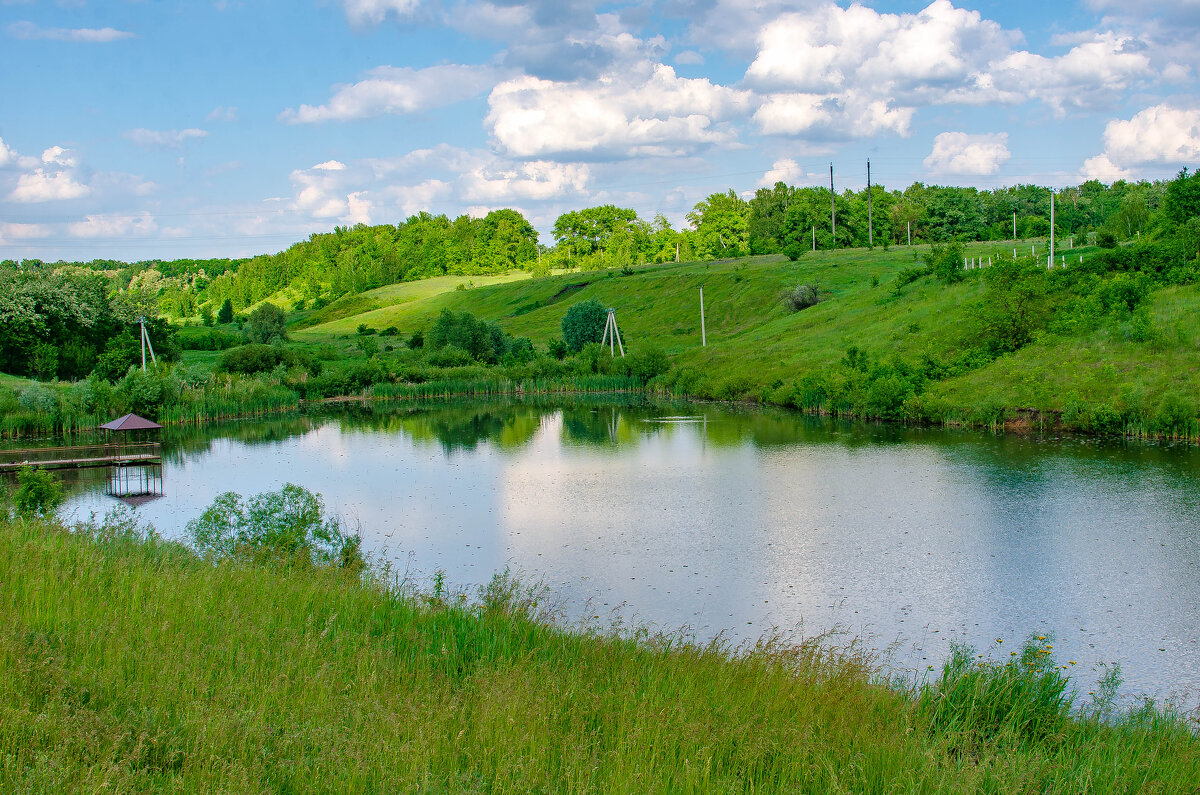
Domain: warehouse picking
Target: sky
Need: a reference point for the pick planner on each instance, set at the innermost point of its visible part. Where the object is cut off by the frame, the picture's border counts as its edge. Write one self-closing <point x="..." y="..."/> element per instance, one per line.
<point x="144" y="129"/>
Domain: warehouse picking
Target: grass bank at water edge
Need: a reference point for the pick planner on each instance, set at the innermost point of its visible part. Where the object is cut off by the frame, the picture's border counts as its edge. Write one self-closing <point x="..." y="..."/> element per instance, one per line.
<point x="133" y="665"/>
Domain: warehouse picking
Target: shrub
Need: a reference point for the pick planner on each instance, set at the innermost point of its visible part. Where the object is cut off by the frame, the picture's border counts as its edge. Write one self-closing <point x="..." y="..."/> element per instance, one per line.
<point x="390" y="331"/>
<point x="946" y="262"/>
<point x="364" y="329"/>
<point x="288" y="526"/>
<point x="266" y="324"/>
<point x="417" y="340"/>
<point x="485" y="342"/>
<point x="802" y="296"/>
<point x="556" y="347"/>
<point x="648" y="363"/>
<point x="450" y="356"/>
<point x="38" y="493"/>
<point x="583" y="323"/>
<point x="1106" y="239"/>
<point x="794" y="250"/>
<point x="251" y="359"/>
<point x="225" y="313"/>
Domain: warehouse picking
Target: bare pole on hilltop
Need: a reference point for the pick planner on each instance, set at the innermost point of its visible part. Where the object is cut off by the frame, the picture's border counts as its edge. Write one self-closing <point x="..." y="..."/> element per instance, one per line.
<point x="1052" y="226"/>
<point x="832" y="208"/>
<point x="870" y="230"/>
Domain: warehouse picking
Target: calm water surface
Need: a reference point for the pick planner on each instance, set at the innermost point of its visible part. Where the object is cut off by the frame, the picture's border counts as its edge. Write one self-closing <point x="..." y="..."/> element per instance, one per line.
<point x="738" y="522"/>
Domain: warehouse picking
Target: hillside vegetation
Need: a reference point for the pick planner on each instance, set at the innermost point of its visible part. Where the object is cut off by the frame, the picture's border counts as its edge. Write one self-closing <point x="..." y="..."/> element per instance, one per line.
<point x="1117" y="368"/>
<point x="964" y="327"/>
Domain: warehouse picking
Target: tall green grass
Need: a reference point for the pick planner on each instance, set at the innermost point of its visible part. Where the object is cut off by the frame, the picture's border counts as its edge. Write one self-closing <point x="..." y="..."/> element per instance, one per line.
<point x="503" y="387"/>
<point x="131" y="665"/>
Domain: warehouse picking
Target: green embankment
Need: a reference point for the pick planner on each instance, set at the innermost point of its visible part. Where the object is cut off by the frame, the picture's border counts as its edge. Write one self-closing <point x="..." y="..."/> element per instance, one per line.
<point x="134" y="666"/>
<point x="755" y="344"/>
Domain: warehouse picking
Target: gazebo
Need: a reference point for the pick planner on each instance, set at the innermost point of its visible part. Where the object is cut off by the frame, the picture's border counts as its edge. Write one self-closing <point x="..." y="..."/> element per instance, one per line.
<point x="136" y="471"/>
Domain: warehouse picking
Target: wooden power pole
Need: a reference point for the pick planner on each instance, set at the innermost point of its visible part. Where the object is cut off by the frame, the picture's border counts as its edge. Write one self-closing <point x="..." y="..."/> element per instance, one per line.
<point x="832" y="208"/>
<point x="870" y="230"/>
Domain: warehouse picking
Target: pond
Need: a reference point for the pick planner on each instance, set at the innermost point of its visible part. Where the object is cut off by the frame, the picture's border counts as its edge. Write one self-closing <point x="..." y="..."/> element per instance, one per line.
<point x="738" y="522"/>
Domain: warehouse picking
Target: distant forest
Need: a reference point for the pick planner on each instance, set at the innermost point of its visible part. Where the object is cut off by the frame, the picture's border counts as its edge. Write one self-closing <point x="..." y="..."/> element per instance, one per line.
<point x="65" y="319"/>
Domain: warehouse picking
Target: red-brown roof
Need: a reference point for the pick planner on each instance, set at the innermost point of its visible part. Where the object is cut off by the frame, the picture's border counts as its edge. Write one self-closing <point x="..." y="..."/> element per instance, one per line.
<point x="131" y="422"/>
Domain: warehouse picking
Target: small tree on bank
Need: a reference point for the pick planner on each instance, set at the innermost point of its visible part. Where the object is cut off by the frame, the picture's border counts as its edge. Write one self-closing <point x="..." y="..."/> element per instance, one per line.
<point x="266" y="324"/>
<point x="584" y="323"/>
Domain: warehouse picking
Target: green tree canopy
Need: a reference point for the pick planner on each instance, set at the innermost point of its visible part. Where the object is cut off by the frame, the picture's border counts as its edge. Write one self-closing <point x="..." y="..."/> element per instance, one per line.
<point x="583" y="323"/>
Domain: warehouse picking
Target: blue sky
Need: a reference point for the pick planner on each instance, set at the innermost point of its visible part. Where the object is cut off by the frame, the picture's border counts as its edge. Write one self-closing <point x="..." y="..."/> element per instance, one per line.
<point x="165" y="129"/>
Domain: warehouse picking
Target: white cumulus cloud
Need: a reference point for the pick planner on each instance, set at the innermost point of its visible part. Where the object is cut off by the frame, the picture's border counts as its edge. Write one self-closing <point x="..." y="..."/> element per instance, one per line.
<point x="960" y="153"/>
<point x="645" y="109"/>
<point x="785" y="170"/>
<point x="539" y="179"/>
<point x="389" y="89"/>
<point x="56" y="179"/>
<point x="1159" y="134"/>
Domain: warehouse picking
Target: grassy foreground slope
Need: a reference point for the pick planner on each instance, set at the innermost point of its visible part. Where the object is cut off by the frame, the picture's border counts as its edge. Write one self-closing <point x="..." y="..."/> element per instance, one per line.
<point x="755" y="345"/>
<point x="133" y="665"/>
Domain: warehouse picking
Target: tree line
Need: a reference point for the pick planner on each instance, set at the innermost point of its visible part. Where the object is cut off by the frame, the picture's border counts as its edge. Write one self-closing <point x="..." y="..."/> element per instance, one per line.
<point x="782" y="218"/>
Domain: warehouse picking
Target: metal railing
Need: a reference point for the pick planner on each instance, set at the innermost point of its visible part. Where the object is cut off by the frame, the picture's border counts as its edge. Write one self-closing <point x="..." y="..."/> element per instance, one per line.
<point x="81" y="455"/>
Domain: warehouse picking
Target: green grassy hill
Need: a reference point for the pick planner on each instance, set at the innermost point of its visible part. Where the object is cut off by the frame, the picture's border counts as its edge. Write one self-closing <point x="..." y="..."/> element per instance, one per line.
<point x="756" y="346"/>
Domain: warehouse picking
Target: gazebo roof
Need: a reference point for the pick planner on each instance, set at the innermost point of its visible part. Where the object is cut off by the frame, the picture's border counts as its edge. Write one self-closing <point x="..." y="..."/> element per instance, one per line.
<point x="131" y="422"/>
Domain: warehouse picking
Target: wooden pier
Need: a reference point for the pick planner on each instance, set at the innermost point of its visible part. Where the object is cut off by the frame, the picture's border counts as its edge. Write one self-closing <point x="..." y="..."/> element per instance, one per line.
<point x="82" y="456"/>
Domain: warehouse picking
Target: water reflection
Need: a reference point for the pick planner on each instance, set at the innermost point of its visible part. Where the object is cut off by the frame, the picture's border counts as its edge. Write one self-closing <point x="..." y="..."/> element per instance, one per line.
<point x="734" y="521"/>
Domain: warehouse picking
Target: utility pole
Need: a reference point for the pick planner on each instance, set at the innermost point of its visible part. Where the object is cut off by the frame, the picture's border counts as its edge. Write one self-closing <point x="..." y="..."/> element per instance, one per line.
<point x="146" y="343"/>
<point x="814" y="238"/>
<point x="612" y="335"/>
<point x="1014" y="224"/>
<point x="870" y="230"/>
<point x="832" y="207"/>
<point x="703" y="335"/>
<point x="910" y="233"/>
<point x="1051" y="227"/>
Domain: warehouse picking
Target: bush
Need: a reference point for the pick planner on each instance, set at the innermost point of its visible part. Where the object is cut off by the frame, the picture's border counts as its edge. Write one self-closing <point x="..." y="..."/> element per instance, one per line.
<point x="390" y="331"/>
<point x="648" y="364"/>
<point x="286" y="526"/>
<point x="450" y="356"/>
<point x="802" y="296"/>
<point x="1106" y="239"/>
<point x="38" y="494"/>
<point x="251" y="359"/>
<point x="584" y="322"/>
<point x="214" y="340"/>
<point x="266" y="324"/>
<point x="417" y="340"/>
<point x="946" y="262"/>
<point x="364" y="329"/>
<point x="484" y="341"/>
<point x="557" y="348"/>
<point x="794" y="250"/>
